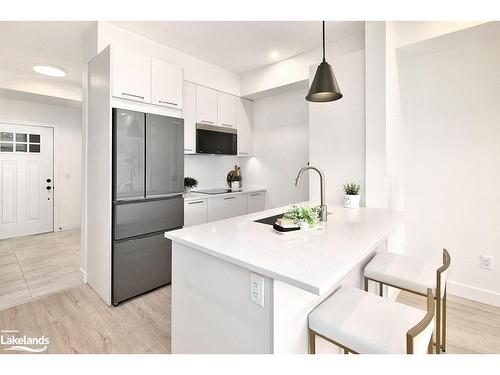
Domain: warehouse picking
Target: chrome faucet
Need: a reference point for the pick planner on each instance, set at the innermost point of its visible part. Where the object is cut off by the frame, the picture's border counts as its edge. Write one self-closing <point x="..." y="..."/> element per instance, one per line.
<point x="322" y="207"/>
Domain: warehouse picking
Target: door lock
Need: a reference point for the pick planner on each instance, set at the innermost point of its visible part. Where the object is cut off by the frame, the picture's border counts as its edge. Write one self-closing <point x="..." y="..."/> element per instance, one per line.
<point x="49" y="180"/>
<point x="49" y="187"/>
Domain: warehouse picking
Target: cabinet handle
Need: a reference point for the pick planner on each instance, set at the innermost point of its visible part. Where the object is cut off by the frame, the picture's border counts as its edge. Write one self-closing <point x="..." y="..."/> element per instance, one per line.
<point x="132" y="95"/>
<point x="255" y="195"/>
<point x="206" y="121"/>
<point x="229" y="125"/>
<point x="195" y="202"/>
<point x="244" y="153"/>
<point x="229" y="198"/>
<point x="188" y="149"/>
<point x="164" y="102"/>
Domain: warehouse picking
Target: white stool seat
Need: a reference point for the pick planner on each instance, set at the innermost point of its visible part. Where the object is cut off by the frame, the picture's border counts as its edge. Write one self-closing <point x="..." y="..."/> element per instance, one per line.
<point x="404" y="272"/>
<point x="365" y="322"/>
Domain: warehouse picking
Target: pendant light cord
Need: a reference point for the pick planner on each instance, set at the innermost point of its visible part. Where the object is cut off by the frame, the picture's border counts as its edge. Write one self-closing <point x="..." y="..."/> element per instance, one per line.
<point x="324" y="41"/>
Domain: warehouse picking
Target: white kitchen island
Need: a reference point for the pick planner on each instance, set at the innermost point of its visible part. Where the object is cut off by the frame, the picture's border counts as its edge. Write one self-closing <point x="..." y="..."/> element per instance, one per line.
<point x="212" y="265"/>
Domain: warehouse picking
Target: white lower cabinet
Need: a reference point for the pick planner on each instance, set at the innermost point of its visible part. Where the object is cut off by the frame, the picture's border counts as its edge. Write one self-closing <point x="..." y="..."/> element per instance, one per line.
<point x="201" y="211"/>
<point x="195" y="212"/>
<point x="255" y="202"/>
<point x="226" y="207"/>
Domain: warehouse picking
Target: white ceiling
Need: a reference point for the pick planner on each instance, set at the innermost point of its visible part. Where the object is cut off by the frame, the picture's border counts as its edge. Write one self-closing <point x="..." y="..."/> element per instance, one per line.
<point x="236" y="46"/>
<point x="24" y="44"/>
<point x="241" y="46"/>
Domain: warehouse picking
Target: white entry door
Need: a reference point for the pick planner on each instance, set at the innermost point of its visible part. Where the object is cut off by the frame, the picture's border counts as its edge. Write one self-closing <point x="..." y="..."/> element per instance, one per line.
<point x="26" y="180"/>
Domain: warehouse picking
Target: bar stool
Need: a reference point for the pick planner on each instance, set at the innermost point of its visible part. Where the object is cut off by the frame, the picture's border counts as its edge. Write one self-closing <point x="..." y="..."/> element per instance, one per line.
<point x="415" y="276"/>
<point x="362" y="322"/>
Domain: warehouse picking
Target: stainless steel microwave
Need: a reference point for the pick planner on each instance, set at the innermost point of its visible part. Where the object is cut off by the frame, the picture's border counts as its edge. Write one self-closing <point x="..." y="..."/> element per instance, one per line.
<point x="219" y="140"/>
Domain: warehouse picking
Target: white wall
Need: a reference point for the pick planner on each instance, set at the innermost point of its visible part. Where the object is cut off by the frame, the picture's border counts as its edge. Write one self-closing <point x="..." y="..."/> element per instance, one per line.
<point x="67" y="158"/>
<point x="296" y="68"/>
<point x="451" y="134"/>
<point x="337" y="131"/>
<point x="280" y="148"/>
<point x="210" y="170"/>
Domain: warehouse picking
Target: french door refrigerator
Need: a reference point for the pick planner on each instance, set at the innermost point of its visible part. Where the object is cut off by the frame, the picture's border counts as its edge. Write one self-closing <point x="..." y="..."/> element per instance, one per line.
<point x="148" y="181"/>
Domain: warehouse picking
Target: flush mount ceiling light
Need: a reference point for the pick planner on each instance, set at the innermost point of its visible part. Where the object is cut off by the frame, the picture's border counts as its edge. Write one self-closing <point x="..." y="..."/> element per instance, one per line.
<point x="49" y="70"/>
<point x="274" y="54"/>
<point x="324" y="87"/>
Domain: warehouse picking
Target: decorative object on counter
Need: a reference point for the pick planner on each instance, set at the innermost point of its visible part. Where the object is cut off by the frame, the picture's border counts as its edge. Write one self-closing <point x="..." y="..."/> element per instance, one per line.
<point x="305" y="217"/>
<point x="234" y="178"/>
<point x="351" y="197"/>
<point x="189" y="183"/>
<point x="283" y="225"/>
<point x="324" y="87"/>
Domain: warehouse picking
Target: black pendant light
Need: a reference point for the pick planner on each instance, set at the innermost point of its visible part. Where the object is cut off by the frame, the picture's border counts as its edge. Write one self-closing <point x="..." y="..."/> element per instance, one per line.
<point x="324" y="87"/>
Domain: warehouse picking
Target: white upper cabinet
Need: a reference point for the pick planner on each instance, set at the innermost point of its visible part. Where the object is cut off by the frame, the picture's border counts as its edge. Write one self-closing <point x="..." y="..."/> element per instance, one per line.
<point x="244" y="124"/>
<point x="226" y="113"/>
<point x="189" y="116"/>
<point x="131" y="75"/>
<point x="166" y="84"/>
<point x="206" y="105"/>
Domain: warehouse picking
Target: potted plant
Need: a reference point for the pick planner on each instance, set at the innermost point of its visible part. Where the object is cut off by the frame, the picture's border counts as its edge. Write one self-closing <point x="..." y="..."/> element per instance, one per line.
<point x="351" y="197"/>
<point x="189" y="183"/>
<point x="305" y="217"/>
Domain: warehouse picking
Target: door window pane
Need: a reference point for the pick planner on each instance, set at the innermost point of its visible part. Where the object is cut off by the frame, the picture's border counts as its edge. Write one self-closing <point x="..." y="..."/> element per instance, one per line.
<point x="21" y="137"/>
<point x="6" y="147"/>
<point x="21" y="147"/>
<point x="6" y="137"/>
<point x="34" y="148"/>
<point x="34" y="138"/>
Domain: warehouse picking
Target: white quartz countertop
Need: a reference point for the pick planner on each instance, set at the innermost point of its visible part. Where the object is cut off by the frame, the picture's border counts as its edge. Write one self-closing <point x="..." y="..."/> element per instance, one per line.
<point x="313" y="260"/>
<point x="196" y="196"/>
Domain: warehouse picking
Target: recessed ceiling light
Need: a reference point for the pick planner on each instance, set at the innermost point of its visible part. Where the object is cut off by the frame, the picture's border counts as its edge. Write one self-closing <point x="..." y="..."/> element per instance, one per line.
<point x="49" y="70"/>
<point x="274" y="54"/>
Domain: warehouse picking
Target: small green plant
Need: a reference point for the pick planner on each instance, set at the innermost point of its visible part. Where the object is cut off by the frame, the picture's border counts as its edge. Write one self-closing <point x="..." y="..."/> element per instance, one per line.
<point x="351" y="188"/>
<point x="310" y="215"/>
<point x="190" y="182"/>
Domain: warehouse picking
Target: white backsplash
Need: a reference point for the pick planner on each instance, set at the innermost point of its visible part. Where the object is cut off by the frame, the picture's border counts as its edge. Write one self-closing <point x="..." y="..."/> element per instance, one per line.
<point x="209" y="170"/>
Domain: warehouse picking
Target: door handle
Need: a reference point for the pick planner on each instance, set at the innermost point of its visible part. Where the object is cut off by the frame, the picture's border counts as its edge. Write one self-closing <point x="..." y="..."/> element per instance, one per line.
<point x="195" y="202"/>
<point x="48" y="180"/>
<point x="229" y="198"/>
<point x="169" y="103"/>
<point x="133" y="96"/>
<point x="49" y="187"/>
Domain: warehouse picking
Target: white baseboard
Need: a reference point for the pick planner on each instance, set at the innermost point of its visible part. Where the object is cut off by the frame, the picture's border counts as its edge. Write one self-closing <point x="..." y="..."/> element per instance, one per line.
<point x="69" y="226"/>
<point x="83" y="275"/>
<point x="473" y="293"/>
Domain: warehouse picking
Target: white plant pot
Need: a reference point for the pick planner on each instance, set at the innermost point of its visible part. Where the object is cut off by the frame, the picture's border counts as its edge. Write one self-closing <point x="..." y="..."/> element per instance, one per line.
<point x="351" y="201"/>
<point x="188" y="189"/>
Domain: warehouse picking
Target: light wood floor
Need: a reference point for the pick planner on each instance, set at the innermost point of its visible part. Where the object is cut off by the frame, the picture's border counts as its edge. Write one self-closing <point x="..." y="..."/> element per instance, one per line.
<point x="77" y="321"/>
<point x="472" y="327"/>
<point x="37" y="265"/>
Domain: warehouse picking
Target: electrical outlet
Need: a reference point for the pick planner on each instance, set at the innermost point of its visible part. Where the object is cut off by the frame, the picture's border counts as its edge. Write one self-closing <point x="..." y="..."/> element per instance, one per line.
<point x="486" y="262"/>
<point x="257" y="289"/>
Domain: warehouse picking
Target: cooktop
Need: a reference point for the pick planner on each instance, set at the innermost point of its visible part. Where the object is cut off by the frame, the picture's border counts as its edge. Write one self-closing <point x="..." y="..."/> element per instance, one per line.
<point x="216" y="191"/>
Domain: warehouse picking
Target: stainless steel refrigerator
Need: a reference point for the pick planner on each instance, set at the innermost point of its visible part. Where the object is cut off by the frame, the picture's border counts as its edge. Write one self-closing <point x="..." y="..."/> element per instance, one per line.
<point x="148" y="181"/>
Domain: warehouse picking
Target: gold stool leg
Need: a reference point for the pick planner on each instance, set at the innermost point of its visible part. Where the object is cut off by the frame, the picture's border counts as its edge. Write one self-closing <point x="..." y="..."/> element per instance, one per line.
<point x="346" y="351"/>
<point x="381" y="289"/>
<point x="366" y="284"/>
<point x="312" y="342"/>
<point x="438" y="324"/>
<point x="444" y="322"/>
